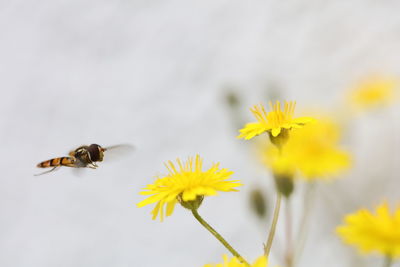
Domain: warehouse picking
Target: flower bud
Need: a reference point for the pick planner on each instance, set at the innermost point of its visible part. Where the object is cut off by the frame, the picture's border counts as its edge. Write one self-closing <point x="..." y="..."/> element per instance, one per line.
<point x="258" y="203"/>
<point x="190" y="204"/>
<point x="281" y="139"/>
<point x="284" y="184"/>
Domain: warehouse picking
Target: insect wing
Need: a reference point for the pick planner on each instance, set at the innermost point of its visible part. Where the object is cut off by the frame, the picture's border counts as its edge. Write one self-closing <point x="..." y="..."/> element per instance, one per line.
<point x="117" y="151"/>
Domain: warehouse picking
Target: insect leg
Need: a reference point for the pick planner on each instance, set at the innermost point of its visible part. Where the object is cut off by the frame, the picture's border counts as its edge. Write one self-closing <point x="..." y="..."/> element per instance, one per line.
<point x="53" y="169"/>
<point x="91" y="165"/>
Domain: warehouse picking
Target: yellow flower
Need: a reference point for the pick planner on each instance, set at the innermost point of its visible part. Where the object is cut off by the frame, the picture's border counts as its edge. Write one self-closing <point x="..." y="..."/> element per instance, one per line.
<point x="281" y="163"/>
<point x="234" y="262"/>
<point x="312" y="150"/>
<point x="369" y="232"/>
<point x="274" y="121"/>
<point x="373" y="92"/>
<point x="187" y="183"/>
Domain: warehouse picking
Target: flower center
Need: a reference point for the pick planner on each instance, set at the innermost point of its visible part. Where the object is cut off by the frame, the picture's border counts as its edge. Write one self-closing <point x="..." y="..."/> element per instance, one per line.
<point x="276" y="117"/>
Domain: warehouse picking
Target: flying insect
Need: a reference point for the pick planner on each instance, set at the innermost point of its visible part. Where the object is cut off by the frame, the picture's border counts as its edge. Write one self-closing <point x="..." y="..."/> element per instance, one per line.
<point x="82" y="157"/>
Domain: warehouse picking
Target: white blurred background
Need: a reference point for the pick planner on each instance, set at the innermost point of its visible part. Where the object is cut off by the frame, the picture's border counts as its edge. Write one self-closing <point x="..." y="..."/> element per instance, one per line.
<point x="155" y="74"/>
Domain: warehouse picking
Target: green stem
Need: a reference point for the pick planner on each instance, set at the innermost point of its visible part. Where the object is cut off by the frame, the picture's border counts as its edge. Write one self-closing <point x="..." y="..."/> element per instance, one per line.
<point x="288" y="219"/>
<point x="304" y="222"/>
<point x="268" y="245"/>
<point x="218" y="236"/>
<point x="388" y="261"/>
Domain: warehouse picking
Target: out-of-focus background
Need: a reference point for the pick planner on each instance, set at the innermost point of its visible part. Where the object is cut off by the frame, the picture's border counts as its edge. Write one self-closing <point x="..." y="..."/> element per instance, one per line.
<point x="157" y="75"/>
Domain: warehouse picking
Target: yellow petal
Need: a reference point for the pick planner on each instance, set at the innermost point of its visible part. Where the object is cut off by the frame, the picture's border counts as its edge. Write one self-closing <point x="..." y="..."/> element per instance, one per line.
<point x="150" y="200"/>
<point x="170" y="207"/>
<point x="252" y="129"/>
<point x="261" y="262"/>
<point x="156" y="210"/>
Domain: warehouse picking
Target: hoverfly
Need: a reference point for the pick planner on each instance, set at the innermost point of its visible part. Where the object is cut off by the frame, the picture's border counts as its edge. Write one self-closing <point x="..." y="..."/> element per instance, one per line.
<point x="82" y="157"/>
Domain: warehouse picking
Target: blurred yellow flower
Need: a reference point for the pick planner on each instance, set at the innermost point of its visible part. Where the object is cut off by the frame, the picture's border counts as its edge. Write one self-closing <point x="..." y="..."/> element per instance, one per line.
<point x="281" y="162"/>
<point x="234" y="262"/>
<point x="369" y="232"/>
<point x="274" y="121"/>
<point x="373" y="92"/>
<point x="312" y="150"/>
<point x="186" y="183"/>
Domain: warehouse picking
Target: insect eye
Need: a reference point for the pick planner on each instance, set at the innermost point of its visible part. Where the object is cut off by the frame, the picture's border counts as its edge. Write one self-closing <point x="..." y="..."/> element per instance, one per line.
<point x="94" y="152"/>
<point x="94" y="146"/>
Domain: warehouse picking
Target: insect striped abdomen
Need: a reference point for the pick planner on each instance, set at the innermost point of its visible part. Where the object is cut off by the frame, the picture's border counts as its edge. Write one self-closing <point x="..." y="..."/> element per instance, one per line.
<point x="62" y="161"/>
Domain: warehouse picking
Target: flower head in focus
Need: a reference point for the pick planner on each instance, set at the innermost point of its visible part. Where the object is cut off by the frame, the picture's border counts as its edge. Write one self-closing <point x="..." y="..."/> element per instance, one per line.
<point x="379" y="232"/>
<point x="373" y="92"/>
<point x="276" y="122"/>
<point x="188" y="184"/>
<point x="313" y="151"/>
<point x="234" y="262"/>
